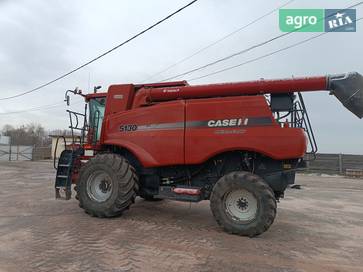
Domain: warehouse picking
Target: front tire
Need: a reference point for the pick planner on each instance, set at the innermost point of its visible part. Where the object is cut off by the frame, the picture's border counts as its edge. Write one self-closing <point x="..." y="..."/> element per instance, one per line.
<point x="107" y="185"/>
<point x="242" y="203"/>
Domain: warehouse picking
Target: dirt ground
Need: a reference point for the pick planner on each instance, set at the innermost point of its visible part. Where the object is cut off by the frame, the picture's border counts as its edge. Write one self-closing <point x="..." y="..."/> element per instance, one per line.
<point x="318" y="228"/>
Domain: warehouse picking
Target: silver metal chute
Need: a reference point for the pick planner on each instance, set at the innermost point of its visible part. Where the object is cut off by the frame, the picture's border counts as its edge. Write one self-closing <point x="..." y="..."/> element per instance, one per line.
<point x="348" y="89"/>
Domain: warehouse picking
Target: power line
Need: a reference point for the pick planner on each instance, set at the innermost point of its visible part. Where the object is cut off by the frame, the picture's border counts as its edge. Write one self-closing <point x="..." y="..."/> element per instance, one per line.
<point x="264" y="56"/>
<point x="51" y="106"/>
<point x="39" y="108"/>
<point x="226" y="58"/>
<point x="258" y="58"/>
<point x="103" y="54"/>
<point x="247" y="49"/>
<point x="219" y="40"/>
<point x="54" y="105"/>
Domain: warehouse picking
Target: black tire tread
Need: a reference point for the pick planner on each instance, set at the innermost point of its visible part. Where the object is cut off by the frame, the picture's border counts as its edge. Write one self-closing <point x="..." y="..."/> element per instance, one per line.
<point x="127" y="184"/>
<point x="262" y="223"/>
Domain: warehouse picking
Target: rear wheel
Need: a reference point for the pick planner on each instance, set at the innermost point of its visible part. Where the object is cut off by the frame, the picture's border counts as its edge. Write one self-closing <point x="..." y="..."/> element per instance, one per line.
<point x="242" y="203"/>
<point x="107" y="185"/>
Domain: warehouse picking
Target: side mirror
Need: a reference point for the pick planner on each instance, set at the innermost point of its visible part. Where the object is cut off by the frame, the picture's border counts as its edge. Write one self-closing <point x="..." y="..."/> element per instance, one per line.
<point x="67" y="100"/>
<point x="75" y="91"/>
<point x="96" y="88"/>
<point x="66" y="97"/>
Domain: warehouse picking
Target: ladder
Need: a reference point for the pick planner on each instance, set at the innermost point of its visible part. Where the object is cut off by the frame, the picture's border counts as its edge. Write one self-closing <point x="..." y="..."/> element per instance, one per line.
<point x="64" y="175"/>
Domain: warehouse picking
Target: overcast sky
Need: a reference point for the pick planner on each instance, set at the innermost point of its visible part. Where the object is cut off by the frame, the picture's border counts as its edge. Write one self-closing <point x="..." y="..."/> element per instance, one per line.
<point x="42" y="39"/>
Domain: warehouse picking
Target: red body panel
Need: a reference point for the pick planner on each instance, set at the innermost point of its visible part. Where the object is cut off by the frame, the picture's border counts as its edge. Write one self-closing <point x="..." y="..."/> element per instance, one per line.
<point x="119" y="98"/>
<point x="198" y="122"/>
<point x="151" y="144"/>
<point x="267" y="138"/>
<point x="185" y="131"/>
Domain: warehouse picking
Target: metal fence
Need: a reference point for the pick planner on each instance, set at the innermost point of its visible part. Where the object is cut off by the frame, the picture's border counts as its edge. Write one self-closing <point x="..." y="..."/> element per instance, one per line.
<point x="24" y="152"/>
<point x="42" y="153"/>
<point x="336" y="163"/>
<point x="16" y="152"/>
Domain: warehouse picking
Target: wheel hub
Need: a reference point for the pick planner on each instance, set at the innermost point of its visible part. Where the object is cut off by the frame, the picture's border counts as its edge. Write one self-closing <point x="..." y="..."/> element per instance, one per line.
<point x="241" y="205"/>
<point x="104" y="186"/>
<point x="99" y="186"/>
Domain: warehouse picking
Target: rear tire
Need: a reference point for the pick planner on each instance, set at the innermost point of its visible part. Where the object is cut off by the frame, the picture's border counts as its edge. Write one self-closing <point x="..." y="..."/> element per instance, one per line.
<point x="107" y="185"/>
<point x="242" y="203"/>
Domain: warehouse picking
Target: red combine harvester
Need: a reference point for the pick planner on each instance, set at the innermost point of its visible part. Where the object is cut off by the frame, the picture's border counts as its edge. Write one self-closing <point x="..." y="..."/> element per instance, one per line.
<point x="236" y="144"/>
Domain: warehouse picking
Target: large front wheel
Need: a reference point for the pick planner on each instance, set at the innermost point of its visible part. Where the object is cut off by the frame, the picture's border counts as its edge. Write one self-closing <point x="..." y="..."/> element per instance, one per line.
<point x="242" y="203"/>
<point x="107" y="185"/>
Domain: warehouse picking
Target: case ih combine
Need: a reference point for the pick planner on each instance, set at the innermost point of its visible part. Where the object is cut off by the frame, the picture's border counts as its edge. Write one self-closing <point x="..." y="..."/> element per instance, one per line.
<point x="236" y="144"/>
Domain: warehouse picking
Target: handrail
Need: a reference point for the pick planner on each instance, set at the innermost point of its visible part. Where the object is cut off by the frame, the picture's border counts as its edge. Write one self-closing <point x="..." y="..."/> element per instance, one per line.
<point x="309" y="129"/>
<point x="83" y="133"/>
<point x="95" y="128"/>
<point x="75" y="116"/>
<point x="298" y="117"/>
<point x="55" y="150"/>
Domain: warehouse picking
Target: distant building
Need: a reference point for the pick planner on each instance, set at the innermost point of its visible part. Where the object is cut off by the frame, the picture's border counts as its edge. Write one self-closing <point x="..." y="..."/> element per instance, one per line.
<point x="61" y="146"/>
<point x="4" y="140"/>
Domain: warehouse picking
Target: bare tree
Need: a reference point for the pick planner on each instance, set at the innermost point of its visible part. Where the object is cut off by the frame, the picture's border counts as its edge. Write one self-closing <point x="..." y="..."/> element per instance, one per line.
<point x="31" y="134"/>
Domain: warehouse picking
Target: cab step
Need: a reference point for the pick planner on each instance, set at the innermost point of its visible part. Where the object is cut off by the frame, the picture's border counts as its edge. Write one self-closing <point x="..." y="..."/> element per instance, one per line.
<point x="64" y="165"/>
<point x="180" y="193"/>
<point x="61" y="176"/>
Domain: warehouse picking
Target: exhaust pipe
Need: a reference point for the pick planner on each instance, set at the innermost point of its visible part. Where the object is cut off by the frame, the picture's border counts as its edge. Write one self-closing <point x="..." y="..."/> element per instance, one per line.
<point x="348" y="89"/>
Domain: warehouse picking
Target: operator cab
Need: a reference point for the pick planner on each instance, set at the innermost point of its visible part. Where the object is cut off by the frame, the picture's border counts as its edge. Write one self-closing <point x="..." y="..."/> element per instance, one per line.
<point x="87" y="125"/>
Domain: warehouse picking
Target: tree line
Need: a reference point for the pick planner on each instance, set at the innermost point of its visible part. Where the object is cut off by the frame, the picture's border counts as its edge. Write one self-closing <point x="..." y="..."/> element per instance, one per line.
<point x="31" y="134"/>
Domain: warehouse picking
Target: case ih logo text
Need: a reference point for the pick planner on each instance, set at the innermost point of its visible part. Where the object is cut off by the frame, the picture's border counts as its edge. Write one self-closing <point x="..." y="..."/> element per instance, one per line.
<point x="228" y="122"/>
<point x="317" y="20"/>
